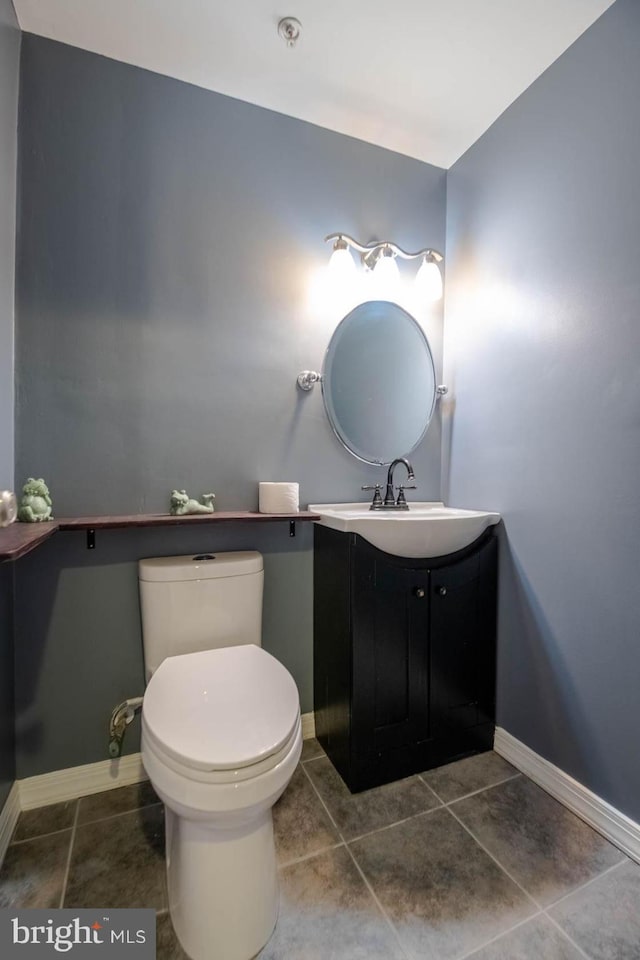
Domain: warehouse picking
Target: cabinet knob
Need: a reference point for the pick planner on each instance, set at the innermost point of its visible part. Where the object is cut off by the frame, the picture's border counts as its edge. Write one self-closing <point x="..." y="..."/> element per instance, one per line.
<point x="442" y="591"/>
<point x="419" y="592"/>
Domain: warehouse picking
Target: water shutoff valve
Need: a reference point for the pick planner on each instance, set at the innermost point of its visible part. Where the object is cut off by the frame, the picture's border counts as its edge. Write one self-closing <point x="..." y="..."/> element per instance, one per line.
<point x="121" y="717"/>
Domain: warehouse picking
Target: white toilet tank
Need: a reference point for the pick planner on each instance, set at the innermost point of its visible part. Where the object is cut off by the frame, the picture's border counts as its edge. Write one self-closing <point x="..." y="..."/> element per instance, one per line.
<point x="200" y="602"/>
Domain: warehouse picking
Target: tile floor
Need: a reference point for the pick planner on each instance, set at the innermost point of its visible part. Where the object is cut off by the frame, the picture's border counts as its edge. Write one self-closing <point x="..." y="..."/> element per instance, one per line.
<point x="470" y="860"/>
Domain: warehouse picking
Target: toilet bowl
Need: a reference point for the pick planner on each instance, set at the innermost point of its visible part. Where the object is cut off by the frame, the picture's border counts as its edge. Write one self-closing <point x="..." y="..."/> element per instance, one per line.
<point x="221" y="738"/>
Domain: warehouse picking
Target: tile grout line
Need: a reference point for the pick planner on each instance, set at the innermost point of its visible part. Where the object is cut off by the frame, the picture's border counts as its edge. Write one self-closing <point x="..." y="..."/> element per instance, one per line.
<point x="441" y="801"/>
<point x="474" y="793"/>
<point x="69" y="855"/>
<point x="41" y="836"/>
<point x="543" y="911"/>
<point x="357" y="866"/>
<point x="304" y="763"/>
<point x="443" y="806"/>
<point x="123" y="813"/>
<point x="435" y="792"/>
<point x="499" y="936"/>
<point x="567" y="937"/>
<point x="587" y="883"/>
<point x="440" y="805"/>
<point x="309" y="856"/>
<point x="429" y="788"/>
<point x="387" y="826"/>
<point x="87" y="823"/>
<point x="421" y="778"/>
<point x="324" y="806"/>
<point x="396" y="823"/>
<point x="384" y="913"/>
<point x="538" y="906"/>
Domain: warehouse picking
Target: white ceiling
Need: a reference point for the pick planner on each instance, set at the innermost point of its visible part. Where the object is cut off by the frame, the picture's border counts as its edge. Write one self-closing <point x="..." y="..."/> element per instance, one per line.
<point x="421" y="77"/>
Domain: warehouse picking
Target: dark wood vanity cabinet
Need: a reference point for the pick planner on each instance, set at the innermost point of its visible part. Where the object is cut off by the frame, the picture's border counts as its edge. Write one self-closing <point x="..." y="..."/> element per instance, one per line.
<point x="404" y="656"/>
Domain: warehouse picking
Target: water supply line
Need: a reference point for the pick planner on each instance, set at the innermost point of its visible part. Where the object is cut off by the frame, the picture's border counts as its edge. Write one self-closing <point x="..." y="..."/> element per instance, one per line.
<point x="121" y="717"/>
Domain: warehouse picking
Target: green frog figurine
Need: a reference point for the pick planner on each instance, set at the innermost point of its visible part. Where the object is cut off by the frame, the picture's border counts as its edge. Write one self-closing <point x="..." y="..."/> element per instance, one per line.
<point x="35" y="503"/>
<point x="182" y="504"/>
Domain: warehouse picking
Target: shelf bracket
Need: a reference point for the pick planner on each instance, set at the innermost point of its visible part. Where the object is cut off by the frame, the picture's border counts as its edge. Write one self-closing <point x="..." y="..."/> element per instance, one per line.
<point x="91" y="539"/>
<point x="292" y="528"/>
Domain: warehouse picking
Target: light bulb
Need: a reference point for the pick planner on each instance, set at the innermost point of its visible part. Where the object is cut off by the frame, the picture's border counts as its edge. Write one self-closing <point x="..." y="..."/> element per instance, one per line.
<point x="341" y="266"/>
<point x="429" y="281"/>
<point x="386" y="277"/>
<point x="341" y="279"/>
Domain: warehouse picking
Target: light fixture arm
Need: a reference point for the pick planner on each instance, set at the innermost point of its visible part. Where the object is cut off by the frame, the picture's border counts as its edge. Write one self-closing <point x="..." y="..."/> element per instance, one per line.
<point x="371" y="251"/>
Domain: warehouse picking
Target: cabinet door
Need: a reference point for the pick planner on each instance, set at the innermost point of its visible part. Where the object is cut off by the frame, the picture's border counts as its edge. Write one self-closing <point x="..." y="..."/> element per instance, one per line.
<point x="463" y="639"/>
<point x="390" y="678"/>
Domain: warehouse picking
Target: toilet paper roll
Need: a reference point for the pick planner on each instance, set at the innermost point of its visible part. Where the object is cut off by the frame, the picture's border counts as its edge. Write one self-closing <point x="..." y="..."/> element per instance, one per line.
<point x="8" y="507"/>
<point x="278" y="497"/>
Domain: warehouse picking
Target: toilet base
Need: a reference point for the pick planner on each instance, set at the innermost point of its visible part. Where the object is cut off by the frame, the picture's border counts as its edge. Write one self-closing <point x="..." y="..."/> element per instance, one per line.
<point x="223" y="885"/>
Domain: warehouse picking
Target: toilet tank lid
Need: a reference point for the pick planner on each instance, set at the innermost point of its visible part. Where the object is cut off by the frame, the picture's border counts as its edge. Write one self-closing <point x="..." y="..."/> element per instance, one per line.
<point x="200" y="566"/>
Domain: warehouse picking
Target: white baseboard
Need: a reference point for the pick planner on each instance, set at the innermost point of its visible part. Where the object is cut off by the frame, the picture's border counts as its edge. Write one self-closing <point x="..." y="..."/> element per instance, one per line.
<point x="308" y="725"/>
<point x="8" y="819"/>
<point x="97" y="777"/>
<point x="77" y="781"/>
<point x="611" y="823"/>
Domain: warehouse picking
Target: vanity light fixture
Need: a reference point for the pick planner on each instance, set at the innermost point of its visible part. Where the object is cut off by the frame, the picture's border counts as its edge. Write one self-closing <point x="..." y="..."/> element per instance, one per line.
<point x="381" y="256"/>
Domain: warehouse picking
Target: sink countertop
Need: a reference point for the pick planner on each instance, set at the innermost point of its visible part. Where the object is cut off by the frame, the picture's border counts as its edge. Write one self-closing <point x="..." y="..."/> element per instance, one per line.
<point x="427" y="529"/>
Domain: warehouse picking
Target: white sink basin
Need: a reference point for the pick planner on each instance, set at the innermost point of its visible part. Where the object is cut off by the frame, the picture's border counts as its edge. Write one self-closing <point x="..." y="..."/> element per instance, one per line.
<point x="424" y="530"/>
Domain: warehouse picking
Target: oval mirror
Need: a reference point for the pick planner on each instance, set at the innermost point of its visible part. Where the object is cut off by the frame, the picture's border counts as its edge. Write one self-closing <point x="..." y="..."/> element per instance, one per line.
<point x="379" y="382"/>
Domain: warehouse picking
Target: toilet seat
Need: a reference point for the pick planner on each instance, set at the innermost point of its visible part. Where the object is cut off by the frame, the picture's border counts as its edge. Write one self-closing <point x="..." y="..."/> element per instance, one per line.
<point x="230" y="794"/>
<point x="236" y="776"/>
<point x="228" y="712"/>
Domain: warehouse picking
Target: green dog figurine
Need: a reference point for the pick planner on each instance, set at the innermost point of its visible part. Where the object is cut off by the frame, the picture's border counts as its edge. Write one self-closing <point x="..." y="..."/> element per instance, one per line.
<point x="35" y="503"/>
<point x="182" y="504"/>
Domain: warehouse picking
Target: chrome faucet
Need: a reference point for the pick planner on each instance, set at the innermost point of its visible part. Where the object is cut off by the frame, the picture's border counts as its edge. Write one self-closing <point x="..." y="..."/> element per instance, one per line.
<point x="390" y="502"/>
<point x="400" y="503"/>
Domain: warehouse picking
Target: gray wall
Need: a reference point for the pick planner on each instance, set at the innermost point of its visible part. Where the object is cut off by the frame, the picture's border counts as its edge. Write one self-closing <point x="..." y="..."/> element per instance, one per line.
<point x="543" y="352"/>
<point x="79" y="652"/>
<point x="9" y="58"/>
<point x="168" y="237"/>
<point x="7" y="701"/>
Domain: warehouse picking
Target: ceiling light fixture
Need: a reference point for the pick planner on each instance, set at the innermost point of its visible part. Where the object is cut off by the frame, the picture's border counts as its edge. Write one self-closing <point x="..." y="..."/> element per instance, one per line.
<point x="289" y="28"/>
<point x="381" y="256"/>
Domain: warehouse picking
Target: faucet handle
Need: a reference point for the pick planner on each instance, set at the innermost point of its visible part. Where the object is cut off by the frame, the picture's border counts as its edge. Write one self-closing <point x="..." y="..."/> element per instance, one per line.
<point x="376" y="503"/>
<point x="401" y="501"/>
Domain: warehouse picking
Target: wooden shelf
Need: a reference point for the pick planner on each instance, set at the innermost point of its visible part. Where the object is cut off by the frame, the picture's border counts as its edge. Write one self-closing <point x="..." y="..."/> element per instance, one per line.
<point x="21" y="538"/>
<point x="161" y="519"/>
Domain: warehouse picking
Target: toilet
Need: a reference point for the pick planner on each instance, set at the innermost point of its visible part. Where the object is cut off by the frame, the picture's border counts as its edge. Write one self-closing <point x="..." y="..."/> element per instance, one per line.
<point x="221" y="738"/>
